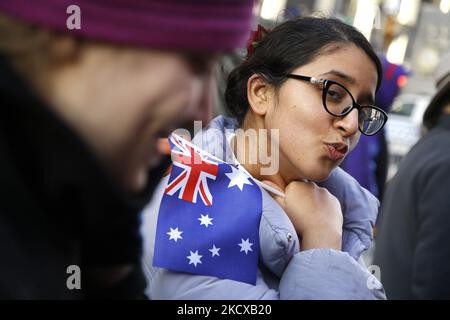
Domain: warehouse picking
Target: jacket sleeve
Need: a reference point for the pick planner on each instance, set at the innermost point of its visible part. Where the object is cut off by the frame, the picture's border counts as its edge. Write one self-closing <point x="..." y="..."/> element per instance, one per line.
<point x="328" y="274"/>
<point x="168" y="285"/>
<point x="430" y="267"/>
<point x="360" y="210"/>
<point x="312" y="274"/>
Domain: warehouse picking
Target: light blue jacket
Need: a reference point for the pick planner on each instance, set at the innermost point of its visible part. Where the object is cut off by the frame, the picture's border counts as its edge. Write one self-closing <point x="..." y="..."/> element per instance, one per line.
<point x="284" y="272"/>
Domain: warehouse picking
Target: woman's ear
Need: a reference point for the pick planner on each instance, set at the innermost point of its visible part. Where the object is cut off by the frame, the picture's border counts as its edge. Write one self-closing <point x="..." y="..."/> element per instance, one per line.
<point x="258" y="94"/>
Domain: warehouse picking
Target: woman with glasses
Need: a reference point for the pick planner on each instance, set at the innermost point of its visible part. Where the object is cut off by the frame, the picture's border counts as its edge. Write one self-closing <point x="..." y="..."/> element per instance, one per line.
<point x="310" y="83"/>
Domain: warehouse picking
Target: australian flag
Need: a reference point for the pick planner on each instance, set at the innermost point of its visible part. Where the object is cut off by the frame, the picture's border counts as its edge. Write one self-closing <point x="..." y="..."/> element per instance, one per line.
<point x="208" y="222"/>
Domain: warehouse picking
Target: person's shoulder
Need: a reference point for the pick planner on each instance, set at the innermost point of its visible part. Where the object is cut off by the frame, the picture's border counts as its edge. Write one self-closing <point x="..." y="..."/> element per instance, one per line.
<point x="437" y="147"/>
<point x="435" y="137"/>
<point x="431" y="151"/>
<point x="427" y="165"/>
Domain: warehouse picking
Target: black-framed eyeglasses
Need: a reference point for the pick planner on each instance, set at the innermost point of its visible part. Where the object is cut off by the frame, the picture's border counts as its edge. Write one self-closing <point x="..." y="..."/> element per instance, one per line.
<point x="339" y="102"/>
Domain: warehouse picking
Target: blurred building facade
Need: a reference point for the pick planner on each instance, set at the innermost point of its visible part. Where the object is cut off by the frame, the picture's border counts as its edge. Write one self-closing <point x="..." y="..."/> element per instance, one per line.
<point x="413" y="33"/>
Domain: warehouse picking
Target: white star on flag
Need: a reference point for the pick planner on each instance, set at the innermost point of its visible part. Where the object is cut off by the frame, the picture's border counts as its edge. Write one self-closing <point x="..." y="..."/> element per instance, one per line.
<point x="238" y="178"/>
<point x="214" y="251"/>
<point x="245" y="246"/>
<point x="206" y="220"/>
<point x="194" y="258"/>
<point x="175" y="234"/>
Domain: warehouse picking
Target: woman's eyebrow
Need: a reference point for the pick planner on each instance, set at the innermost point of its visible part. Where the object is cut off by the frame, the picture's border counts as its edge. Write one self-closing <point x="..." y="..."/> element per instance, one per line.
<point x="341" y="75"/>
<point x="368" y="99"/>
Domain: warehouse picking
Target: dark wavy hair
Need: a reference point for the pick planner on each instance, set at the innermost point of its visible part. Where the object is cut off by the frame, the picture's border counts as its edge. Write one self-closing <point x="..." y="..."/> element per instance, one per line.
<point x="290" y="45"/>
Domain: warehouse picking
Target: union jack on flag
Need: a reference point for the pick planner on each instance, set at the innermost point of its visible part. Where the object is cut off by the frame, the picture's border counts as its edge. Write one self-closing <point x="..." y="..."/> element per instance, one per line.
<point x="196" y="167"/>
<point x="217" y="236"/>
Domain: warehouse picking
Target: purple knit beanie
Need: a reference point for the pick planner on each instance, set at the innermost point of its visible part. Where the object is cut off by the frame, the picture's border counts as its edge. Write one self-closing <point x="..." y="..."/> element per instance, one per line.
<point x="196" y="25"/>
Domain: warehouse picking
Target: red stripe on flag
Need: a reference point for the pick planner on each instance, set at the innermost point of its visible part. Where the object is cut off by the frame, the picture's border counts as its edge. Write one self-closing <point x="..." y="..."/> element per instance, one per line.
<point x="205" y="198"/>
<point x="174" y="183"/>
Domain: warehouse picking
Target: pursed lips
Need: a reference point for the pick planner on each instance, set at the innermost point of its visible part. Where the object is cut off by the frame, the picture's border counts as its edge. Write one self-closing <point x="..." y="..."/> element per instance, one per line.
<point x="336" y="151"/>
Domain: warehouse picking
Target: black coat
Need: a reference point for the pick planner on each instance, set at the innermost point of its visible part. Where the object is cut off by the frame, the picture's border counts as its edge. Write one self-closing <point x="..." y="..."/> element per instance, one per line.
<point x="413" y="246"/>
<point x="57" y="207"/>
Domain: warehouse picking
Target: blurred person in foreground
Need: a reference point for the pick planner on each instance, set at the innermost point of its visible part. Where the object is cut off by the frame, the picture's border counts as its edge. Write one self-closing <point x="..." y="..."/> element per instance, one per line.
<point x="413" y="247"/>
<point x="81" y="113"/>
